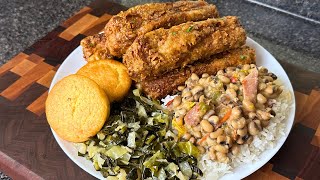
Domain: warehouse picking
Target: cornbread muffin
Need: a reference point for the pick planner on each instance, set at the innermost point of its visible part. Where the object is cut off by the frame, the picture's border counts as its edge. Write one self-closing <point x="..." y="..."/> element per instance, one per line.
<point x="112" y="76"/>
<point x="77" y="108"/>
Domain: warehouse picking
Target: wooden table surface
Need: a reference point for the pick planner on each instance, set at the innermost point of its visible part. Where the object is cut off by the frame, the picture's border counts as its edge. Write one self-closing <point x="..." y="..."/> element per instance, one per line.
<point x="28" y="149"/>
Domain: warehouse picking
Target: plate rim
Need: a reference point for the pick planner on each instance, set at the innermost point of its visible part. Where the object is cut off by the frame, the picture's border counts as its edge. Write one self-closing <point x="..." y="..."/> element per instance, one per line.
<point x="258" y="164"/>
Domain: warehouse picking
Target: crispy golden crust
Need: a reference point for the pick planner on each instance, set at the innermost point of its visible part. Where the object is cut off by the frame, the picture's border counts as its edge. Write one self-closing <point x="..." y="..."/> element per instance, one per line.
<point x="122" y="29"/>
<point x="166" y="84"/>
<point x="93" y="47"/>
<point x="163" y="50"/>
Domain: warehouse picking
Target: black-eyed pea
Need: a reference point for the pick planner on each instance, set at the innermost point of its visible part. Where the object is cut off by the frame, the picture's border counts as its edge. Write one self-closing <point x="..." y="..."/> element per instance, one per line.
<point x="211" y="142"/>
<point x="267" y="79"/>
<point x="235" y="113"/>
<point x="189" y="99"/>
<point x="196" y="128"/>
<point x="235" y="149"/>
<point x="261" y="99"/>
<point x="194" y="77"/>
<point x="181" y="88"/>
<point x="233" y="86"/>
<point x="228" y="130"/>
<point x="206" y="126"/>
<point x="201" y="149"/>
<point x="241" y="122"/>
<point x="234" y="123"/>
<point x="186" y="94"/>
<point x="268" y="90"/>
<point x="264" y="115"/>
<point x="221" y="148"/>
<point x="248" y="105"/>
<point x="259" y="106"/>
<point x="212" y="154"/>
<point x="249" y="140"/>
<point x="262" y="86"/>
<point x="196" y="89"/>
<point x="242" y="132"/>
<point x="196" y="97"/>
<point x="205" y="75"/>
<point x="192" y="140"/>
<point x="224" y="79"/>
<point x="221" y="139"/>
<point x="213" y="119"/>
<point x="222" y="157"/>
<point x="208" y="114"/>
<point x="258" y="123"/>
<point x="229" y="141"/>
<point x="201" y="98"/>
<point x="216" y="133"/>
<point x="220" y="72"/>
<point x="263" y="70"/>
<point x="202" y="81"/>
<point x="240" y="141"/>
<point x="252" y="115"/>
<point x="181" y="112"/>
<point x="242" y="75"/>
<point x="265" y="123"/>
<point x="253" y="128"/>
<point x="246" y="67"/>
<point x="197" y="134"/>
<point x="176" y="101"/>
<point x="252" y="66"/>
<point x="186" y="136"/>
<point x="231" y="92"/>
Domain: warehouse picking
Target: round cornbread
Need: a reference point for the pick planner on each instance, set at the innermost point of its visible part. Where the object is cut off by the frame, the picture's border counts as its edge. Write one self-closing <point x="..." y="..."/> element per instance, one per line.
<point x="77" y="108"/>
<point x="112" y="76"/>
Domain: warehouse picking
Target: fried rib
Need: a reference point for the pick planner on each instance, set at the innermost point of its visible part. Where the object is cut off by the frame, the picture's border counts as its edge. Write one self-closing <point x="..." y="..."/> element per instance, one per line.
<point x="93" y="47"/>
<point x="163" y="50"/>
<point x="122" y="29"/>
<point x="167" y="83"/>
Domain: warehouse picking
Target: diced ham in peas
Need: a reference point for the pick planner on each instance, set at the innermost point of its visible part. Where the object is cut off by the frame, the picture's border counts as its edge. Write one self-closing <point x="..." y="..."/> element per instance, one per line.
<point x="250" y="86"/>
<point x="222" y="112"/>
<point x="193" y="117"/>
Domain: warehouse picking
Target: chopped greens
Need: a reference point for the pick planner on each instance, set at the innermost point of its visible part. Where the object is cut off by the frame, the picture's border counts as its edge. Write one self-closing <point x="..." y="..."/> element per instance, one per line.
<point x="189" y="28"/>
<point x="243" y="57"/>
<point x="137" y="143"/>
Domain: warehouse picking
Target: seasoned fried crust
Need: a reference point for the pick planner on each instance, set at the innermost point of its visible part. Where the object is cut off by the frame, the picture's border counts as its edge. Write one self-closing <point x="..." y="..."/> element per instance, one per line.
<point x="123" y="28"/>
<point x="161" y="86"/>
<point x="163" y="50"/>
<point x="94" y="47"/>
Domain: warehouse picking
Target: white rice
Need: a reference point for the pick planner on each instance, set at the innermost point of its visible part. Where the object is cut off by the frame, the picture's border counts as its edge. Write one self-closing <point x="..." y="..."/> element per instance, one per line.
<point x="267" y="139"/>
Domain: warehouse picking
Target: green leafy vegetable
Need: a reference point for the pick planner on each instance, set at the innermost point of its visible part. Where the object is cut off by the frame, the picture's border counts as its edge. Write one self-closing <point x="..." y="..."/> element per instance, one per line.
<point x="136" y="143"/>
<point x="116" y="152"/>
<point x="189" y="28"/>
<point x="243" y="57"/>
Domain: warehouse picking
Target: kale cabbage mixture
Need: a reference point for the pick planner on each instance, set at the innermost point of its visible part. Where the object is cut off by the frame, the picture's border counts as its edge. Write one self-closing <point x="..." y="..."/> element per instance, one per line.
<point x="137" y="142"/>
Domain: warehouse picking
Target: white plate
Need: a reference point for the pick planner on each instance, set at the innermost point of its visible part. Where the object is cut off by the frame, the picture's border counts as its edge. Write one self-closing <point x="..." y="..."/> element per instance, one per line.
<point x="75" y="61"/>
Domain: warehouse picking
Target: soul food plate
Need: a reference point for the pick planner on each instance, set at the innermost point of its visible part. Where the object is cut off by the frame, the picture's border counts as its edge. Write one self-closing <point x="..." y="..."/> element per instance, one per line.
<point x="263" y="58"/>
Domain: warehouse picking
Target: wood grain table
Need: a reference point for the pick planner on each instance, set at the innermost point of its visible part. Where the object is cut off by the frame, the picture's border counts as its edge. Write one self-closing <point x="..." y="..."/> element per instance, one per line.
<point x="28" y="149"/>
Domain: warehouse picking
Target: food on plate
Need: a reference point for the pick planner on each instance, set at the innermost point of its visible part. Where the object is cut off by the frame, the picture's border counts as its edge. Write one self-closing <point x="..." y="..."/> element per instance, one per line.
<point x="163" y="50"/>
<point x="77" y="108"/>
<point x="123" y="28"/>
<point x="165" y="84"/>
<point x="94" y="49"/>
<point x="110" y="75"/>
<point x="137" y="143"/>
<point x="222" y="112"/>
